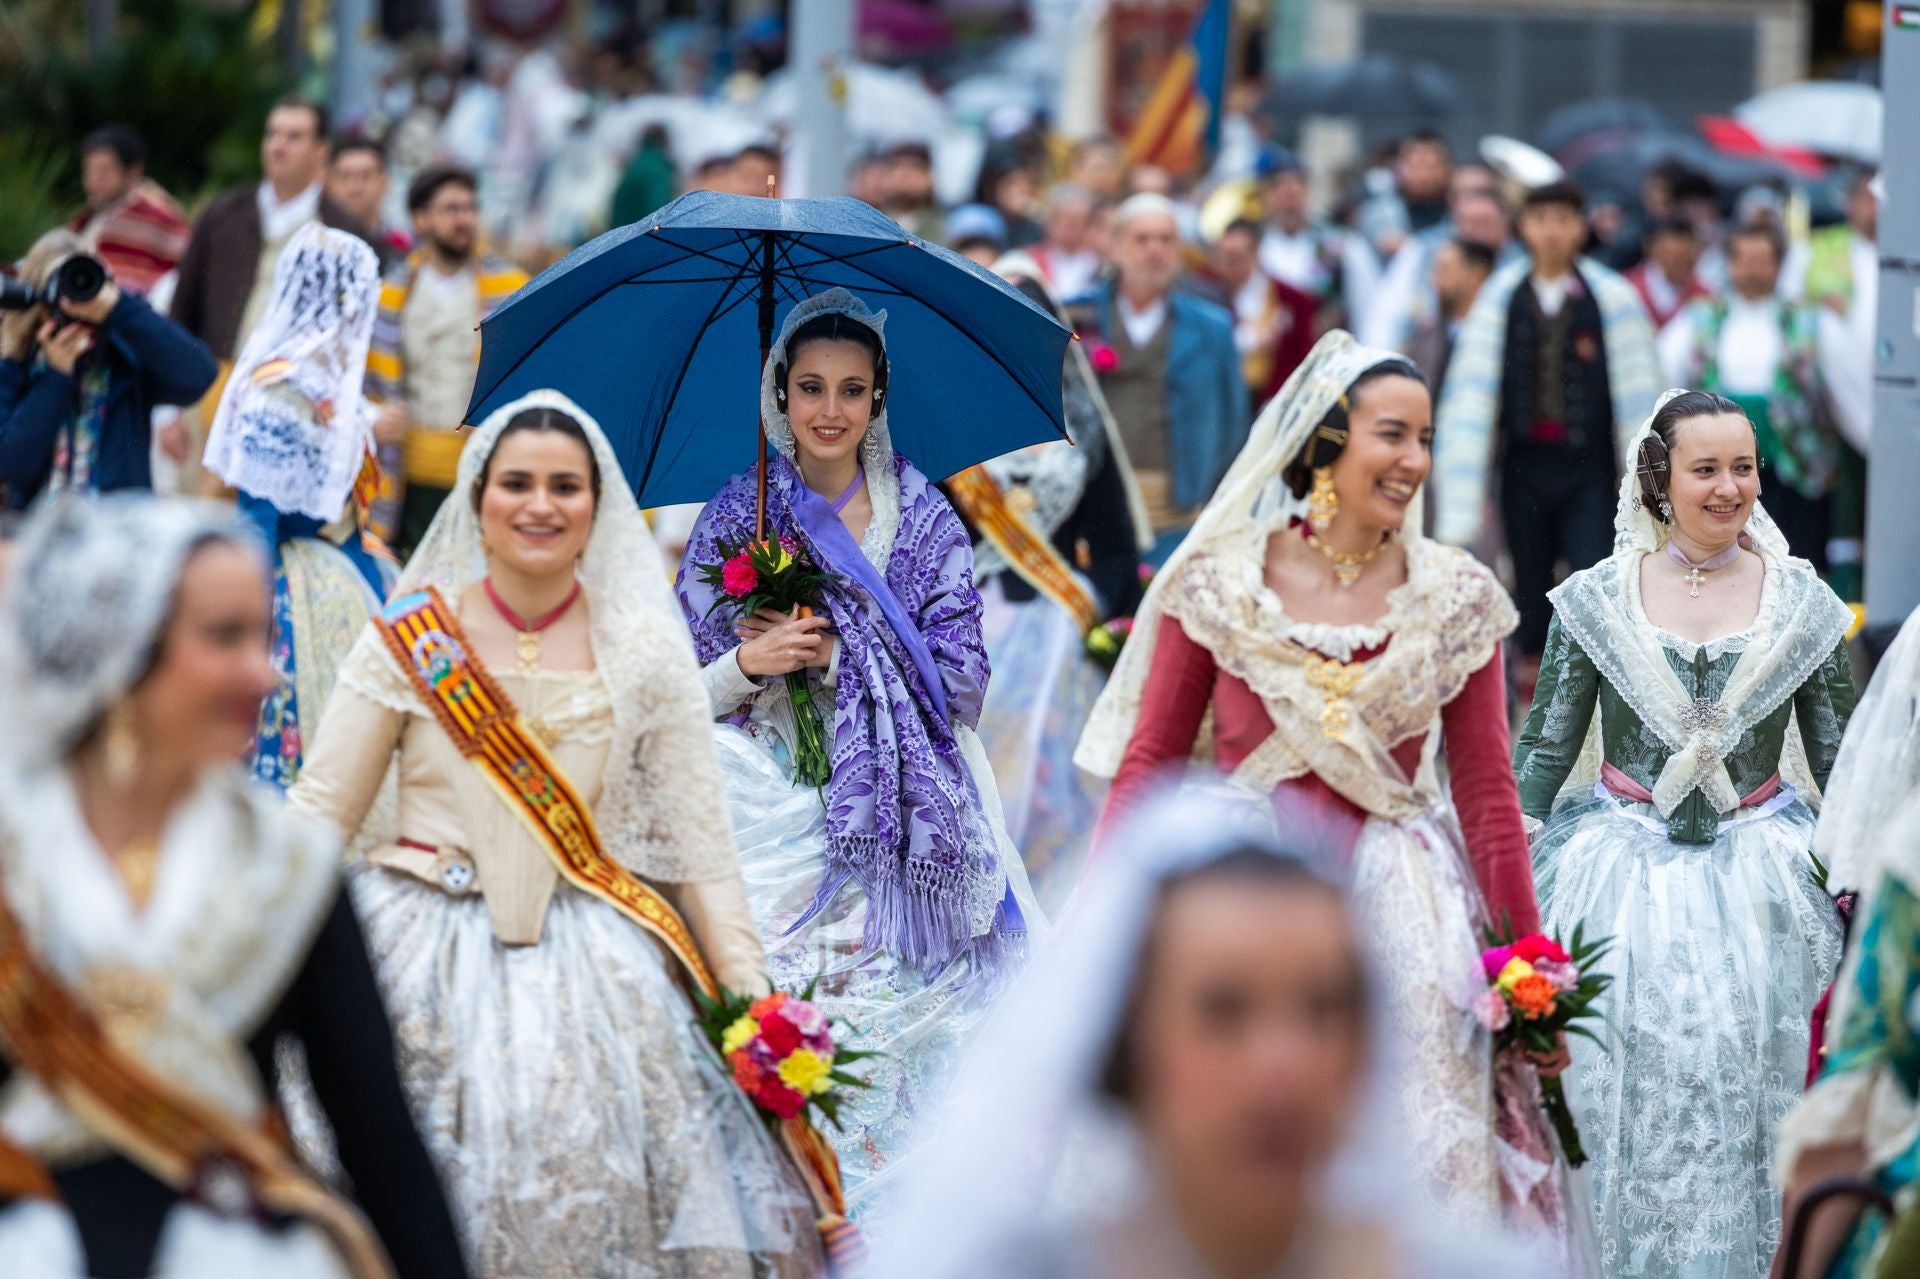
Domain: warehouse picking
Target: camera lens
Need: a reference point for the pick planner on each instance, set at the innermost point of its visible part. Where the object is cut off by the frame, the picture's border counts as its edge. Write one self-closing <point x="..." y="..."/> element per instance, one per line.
<point x="79" y="279"/>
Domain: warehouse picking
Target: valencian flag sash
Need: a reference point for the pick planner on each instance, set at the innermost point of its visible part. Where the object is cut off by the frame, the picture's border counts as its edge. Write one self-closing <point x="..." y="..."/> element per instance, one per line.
<point x="478" y="716"/>
<point x="1180" y="123"/>
<point x="183" y="1141"/>
<point x="1031" y="555"/>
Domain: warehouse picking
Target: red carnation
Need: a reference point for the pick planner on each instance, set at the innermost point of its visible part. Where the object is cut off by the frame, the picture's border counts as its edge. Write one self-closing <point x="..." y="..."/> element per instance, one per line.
<point x="738" y="578"/>
<point x="777" y="1097"/>
<point x="1103" y="357"/>
<point x="1536" y="947"/>
<point x="760" y="1007"/>
<point x="746" y="1072"/>
<point x="779" y="1035"/>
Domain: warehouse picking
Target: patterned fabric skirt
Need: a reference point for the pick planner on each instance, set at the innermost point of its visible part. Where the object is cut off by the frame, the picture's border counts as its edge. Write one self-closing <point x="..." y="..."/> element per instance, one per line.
<point x="922" y="1021"/>
<point x="38" y="1241"/>
<point x="1043" y="690"/>
<point x="1720" y="952"/>
<point x="583" y="1126"/>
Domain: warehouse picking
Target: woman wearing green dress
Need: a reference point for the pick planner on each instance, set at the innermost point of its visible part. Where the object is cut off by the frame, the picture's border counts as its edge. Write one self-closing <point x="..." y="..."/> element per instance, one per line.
<point x="1680" y="825"/>
<point x="1862" y="1118"/>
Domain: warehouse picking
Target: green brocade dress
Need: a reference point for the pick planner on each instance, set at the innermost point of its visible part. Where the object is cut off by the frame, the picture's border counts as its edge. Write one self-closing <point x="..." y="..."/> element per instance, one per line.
<point x="1723" y="940"/>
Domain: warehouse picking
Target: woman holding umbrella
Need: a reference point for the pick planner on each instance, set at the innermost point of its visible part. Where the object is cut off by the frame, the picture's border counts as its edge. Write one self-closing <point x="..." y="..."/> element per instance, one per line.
<point x="894" y="884"/>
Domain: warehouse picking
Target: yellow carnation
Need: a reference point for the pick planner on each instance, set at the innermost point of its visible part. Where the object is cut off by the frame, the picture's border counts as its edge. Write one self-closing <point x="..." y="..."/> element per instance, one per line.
<point x="739" y="1035"/>
<point x="1516" y="969"/>
<point x="805" y="1071"/>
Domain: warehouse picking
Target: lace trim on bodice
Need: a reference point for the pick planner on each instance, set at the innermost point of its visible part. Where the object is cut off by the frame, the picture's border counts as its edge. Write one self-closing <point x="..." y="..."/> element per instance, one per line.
<point x="1338" y="642"/>
<point x="1687" y="650"/>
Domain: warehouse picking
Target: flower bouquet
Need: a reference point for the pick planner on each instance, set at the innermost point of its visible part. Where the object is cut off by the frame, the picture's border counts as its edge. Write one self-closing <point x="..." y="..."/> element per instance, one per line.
<point x="781" y="1050"/>
<point x="1105" y="641"/>
<point x="1540" y="990"/>
<point x="780" y="574"/>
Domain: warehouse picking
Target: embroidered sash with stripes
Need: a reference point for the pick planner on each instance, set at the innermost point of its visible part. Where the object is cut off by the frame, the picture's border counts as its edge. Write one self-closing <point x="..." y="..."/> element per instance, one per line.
<point x="476" y="713"/>
<point x="1032" y="556"/>
<point x="50" y="1033"/>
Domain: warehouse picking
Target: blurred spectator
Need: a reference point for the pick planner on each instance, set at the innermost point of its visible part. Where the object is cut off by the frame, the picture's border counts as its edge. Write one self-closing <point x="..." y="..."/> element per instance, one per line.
<point x="228" y="269"/>
<point x="1666" y="278"/>
<point x="1479" y="216"/>
<point x="1696" y="200"/>
<point x="1070" y="265"/>
<point x="649" y="179"/>
<point x="1169" y="367"/>
<point x="357" y="180"/>
<point x="1552" y="373"/>
<point x="1009" y="186"/>
<point x="421" y="366"/>
<point x="1839" y="266"/>
<point x="977" y="231"/>
<point x="129" y="221"/>
<point x="715" y="173"/>
<point x="1405" y="299"/>
<point x="1766" y="355"/>
<point x="1421" y="172"/>
<point x="78" y="388"/>
<point x="1100" y="231"/>
<point x="1098" y="165"/>
<point x="1272" y="322"/>
<point x="753" y="166"/>
<point x="906" y="188"/>
<point x="1460" y="270"/>
<point x="868" y="180"/>
<point x="1470" y="178"/>
<point x="1335" y="268"/>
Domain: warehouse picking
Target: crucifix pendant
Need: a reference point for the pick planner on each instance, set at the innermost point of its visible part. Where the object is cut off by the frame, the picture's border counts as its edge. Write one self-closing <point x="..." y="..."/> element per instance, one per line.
<point x="1694" y="579"/>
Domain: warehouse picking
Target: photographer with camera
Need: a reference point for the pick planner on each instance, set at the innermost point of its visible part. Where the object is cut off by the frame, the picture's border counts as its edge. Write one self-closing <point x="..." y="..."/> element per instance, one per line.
<point x="82" y="366"/>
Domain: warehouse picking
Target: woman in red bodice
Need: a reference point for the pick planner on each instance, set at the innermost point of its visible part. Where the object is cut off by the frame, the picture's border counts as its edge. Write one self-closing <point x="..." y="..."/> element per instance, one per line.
<point x="1351" y="671"/>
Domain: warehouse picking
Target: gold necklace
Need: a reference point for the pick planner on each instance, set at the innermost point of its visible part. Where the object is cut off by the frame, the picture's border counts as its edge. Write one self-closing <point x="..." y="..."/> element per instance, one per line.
<point x="1347" y="565"/>
<point x="138" y="865"/>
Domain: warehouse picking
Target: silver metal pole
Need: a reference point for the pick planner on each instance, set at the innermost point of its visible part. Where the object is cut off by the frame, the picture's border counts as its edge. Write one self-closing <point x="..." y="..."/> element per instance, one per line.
<point x="1893" y="469"/>
<point x="352" y="68"/>
<point x="822" y="56"/>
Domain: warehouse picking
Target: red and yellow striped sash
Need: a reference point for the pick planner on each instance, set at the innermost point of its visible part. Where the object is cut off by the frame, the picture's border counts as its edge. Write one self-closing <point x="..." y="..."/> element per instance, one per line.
<point x="1032" y="556"/>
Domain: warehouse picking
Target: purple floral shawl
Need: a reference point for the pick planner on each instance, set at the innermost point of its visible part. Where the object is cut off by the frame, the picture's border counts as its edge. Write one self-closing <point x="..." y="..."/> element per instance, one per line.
<point x="903" y="816"/>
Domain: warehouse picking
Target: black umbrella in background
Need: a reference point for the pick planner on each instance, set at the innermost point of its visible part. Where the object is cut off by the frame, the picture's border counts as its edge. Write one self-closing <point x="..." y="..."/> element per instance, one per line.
<point x="1377" y="88"/>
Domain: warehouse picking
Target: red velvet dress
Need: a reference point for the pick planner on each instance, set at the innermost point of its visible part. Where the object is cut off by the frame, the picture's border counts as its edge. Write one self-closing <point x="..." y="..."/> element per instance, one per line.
<point x="1185" y="680"/>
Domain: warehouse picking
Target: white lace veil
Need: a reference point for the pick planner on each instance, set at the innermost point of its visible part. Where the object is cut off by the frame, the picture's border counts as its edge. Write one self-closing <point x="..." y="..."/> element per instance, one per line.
<point x="662" y="809"/>
<point x="1876" y="775"/>
<point x="1251" y="493"/>
<point x="297" y="437"/>
<point x="1029" y="1151"/>
<point x="92" y="584"/>
<point x="876" y="447"/>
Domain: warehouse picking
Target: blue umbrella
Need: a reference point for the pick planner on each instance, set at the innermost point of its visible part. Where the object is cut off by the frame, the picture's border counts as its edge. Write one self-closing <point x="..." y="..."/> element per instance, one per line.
<point x="659" y="329"/>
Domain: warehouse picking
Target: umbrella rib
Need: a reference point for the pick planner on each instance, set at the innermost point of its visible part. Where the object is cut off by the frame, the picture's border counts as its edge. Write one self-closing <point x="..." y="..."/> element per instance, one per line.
<point x="719" y="308"/>
<point x="963" y="332"/>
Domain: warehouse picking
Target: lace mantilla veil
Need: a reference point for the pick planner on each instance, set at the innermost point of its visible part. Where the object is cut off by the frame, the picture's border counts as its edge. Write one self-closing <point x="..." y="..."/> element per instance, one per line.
<point x="1029" y="1149"/>
<point x="1874" y="791"/>
<point x="1251" y="493"/>
<point x="298" y="437"/>
<point x="662" y="808"/>
<point x="92" y="583"/>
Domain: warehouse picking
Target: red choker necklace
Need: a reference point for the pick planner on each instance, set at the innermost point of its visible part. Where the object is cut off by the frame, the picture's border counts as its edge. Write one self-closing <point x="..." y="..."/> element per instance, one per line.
<point x="528" y="653"/>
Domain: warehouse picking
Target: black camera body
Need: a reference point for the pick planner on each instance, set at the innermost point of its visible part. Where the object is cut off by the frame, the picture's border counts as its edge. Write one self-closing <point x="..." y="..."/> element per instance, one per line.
<point x="78" y="279"/>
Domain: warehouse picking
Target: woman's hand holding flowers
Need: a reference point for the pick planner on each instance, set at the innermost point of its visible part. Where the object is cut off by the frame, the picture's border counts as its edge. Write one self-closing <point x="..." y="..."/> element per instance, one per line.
<point x="778" y="643"/>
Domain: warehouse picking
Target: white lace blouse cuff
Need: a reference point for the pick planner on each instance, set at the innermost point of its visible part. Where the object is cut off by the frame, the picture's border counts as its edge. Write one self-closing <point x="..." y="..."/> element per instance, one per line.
<point x="727" y="685"/>
<point x="830" y="678"/>
<point x="1867" y="1106"/>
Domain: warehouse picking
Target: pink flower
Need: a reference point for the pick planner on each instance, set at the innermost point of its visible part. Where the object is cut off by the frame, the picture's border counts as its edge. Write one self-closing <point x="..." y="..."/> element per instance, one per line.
<point x="805" y="1016"/>
<point x="1103" y="357"/>
<point x="738" y="578"/>
<point x="1121" y="626"/>
<point x="1490" y="1010"/>
<point x="1496" y="959"/>
<point x="1563" y="976"/>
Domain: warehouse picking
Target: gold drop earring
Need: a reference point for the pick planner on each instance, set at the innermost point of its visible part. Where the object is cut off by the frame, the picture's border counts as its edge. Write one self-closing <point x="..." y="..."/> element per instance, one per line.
<point x="1322" y="502"/>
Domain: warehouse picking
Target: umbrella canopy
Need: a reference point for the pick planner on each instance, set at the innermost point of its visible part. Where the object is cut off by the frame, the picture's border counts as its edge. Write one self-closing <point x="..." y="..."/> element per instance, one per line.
<point x="1831" y="117"/>
<point x="657" y="330"/>
<point x="1377" y="87"/>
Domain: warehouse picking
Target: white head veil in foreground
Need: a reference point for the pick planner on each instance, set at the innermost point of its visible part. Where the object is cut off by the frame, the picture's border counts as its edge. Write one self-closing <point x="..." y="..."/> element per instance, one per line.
<point x="1030" y="1154"/>
<point x="661" y="812"/>
<point x="92" y="584"/>
<point x="292" y="424"/>
<point x="1798" y="623"/>
<point x="1876" y="774"/>
<point x="876" y="447"/>
<point x="1251" y="492"/>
